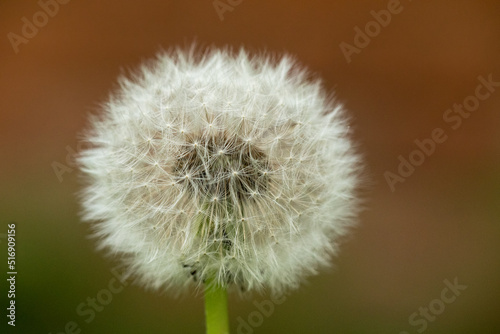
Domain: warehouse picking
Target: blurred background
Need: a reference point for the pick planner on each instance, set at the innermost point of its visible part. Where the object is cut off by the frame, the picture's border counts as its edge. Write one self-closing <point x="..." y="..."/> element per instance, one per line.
<point x="397" y="76"/>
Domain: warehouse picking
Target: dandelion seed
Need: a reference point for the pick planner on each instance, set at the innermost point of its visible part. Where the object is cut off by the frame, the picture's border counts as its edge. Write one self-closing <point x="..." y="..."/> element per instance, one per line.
<point x="212" y="160"/>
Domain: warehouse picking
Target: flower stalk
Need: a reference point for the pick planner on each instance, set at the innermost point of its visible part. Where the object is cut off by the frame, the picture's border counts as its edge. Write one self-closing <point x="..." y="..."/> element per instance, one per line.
<point x="216" y="315"/>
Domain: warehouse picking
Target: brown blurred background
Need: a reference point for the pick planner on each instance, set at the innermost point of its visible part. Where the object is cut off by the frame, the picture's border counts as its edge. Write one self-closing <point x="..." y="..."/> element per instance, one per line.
<point x="440" y="224"/>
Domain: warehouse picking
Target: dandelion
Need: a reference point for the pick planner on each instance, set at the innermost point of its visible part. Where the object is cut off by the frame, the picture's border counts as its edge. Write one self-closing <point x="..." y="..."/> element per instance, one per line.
<point x="220" y="171"/>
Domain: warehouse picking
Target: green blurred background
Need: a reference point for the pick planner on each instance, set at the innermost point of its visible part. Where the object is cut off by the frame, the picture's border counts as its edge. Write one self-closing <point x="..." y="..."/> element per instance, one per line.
<point x="440" y="224"/>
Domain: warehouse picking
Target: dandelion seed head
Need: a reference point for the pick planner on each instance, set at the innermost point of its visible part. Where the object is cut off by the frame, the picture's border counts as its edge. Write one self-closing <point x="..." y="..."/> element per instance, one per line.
<point x="220" y="165"/>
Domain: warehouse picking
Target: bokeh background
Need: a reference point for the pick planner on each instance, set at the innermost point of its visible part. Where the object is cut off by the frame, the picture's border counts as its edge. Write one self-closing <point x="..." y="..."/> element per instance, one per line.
<point x="441" y="224"/>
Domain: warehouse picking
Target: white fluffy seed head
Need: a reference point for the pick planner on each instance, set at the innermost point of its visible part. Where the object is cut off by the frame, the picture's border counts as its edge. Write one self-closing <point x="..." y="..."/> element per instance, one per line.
<point x="223" y="166"/>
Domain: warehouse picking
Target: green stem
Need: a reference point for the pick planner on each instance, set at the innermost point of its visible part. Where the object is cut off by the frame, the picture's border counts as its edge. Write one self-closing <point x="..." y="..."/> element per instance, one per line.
<point x="216" y="308"/>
